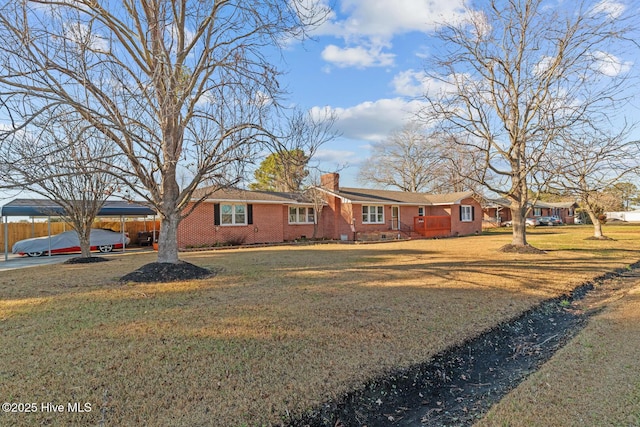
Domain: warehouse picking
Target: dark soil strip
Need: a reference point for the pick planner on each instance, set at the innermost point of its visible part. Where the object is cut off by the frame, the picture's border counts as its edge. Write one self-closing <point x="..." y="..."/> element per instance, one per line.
<point x="459" y="385"/>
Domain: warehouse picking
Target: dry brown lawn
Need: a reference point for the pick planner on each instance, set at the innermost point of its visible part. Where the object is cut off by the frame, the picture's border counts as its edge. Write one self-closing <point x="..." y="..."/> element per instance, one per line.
<point x="594" y="380"/>
<point x="276" y="332"/>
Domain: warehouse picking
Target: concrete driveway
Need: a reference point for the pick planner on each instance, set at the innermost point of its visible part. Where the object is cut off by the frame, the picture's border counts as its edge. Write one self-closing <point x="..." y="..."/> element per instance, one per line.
<point x="22" y="261"/>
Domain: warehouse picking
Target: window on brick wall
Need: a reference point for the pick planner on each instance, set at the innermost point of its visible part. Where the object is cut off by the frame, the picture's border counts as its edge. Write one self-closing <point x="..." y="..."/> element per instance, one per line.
<point x="466" y="213"/>
<point x="537" y="211"/>
<point x="372" y="214"/>
<point x="233" y="214"/>
<point x="301" y="215"/>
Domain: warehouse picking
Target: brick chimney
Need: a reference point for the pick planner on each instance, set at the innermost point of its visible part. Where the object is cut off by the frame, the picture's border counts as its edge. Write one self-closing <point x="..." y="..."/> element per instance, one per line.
<point x="330" y="181"/>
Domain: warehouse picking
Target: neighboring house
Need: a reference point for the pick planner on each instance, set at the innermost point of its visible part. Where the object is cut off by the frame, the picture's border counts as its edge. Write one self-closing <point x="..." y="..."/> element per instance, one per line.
<point x="241" y="216"/>
<point x="497" y="210"/>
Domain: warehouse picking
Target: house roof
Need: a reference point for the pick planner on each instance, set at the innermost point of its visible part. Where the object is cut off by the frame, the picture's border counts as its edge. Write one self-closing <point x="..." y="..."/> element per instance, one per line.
<point x="366" y="195"/>
<point x="350" y="195"/>
<point x="44" y="207"/>
<point x="248" y="196"/>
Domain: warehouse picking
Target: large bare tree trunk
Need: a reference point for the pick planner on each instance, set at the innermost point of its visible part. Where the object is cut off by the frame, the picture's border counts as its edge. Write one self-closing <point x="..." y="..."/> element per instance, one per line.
<point x="167" y="239"/>
<point x="170" y="218"/>
<point x="518" y="218"/>
<point x="84" y="235"/>
<point x="597" y="224"/>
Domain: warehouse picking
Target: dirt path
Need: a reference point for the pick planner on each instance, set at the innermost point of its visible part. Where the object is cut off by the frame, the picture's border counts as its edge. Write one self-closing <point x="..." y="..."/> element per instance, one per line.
<point x="458" y="386"/>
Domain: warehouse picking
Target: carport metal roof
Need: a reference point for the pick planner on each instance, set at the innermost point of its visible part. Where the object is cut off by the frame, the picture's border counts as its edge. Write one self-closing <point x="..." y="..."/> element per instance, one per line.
<point x="43" y="208"/>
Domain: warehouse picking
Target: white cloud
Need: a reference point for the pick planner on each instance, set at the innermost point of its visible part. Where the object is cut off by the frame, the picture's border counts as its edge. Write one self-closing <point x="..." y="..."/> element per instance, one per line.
<point x="413" y="83"/>
<point x="81" y="35"/>
<point x="359" y="57"/>
<point x="611" y="8"/>
<point x="543" y="65"/>
<point x="368" y="26"/>
<point x="374" y="121"/>
<point x="381" y="18"/>
<point x="610" y="65"/>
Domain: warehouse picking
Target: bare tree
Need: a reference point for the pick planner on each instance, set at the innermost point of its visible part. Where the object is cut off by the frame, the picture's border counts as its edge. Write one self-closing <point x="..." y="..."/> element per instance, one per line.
<point x="518" y="74"/>
<point x="180" y="88"/>
<point x="63" y="162"/>
<point x="409" y="160"/>
<point x="624" y="193"/>
<point x="460" y="172"/>
<point x="299" y="135"/>
<point x="589" y="164"/>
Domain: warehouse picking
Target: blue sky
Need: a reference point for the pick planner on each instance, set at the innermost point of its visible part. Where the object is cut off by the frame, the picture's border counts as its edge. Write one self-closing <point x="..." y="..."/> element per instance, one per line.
<point x="361" y="64"/>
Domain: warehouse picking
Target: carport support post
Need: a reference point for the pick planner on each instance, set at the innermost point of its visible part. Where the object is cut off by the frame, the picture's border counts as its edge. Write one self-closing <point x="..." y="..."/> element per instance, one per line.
<point x="6" y="238"/>
<point x="49" y="231"/>
<point x="122" y="234"/>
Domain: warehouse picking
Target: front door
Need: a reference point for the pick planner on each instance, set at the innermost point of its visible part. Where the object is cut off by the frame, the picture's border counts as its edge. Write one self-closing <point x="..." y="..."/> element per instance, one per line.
<point x="395" y="217"/>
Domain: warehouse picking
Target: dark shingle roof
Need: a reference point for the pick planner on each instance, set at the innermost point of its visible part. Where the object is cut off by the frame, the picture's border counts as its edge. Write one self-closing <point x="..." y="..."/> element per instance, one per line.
<point x="236" y="194"/>
<point x="365" y="195"/>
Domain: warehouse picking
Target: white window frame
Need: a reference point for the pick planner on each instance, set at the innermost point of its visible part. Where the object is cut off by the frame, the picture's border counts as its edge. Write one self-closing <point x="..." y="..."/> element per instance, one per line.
<point x="234" y="214"/>
<point x="308" y="213"/>
<point x="375" y="211"/>
<point x="466" y="213"/>
<point x="420" y="210"/>
<point x="537" y="211"/>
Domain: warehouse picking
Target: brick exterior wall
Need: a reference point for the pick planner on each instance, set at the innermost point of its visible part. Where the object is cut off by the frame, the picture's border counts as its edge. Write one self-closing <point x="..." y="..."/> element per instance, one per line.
<point x="336" y="218"/>
<point x="460" y="228"/>
<point x="270" y="225"/>
<point x="407" y="213"/>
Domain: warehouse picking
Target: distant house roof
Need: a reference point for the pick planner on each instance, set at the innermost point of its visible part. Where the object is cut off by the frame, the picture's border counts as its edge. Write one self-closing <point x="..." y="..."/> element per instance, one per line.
<point x="44" y="207"/>
<point x="248" y="196"/>
<point x="560" y="205"/>
<point x="492" y="203"/>
<point x="365" y="195"/>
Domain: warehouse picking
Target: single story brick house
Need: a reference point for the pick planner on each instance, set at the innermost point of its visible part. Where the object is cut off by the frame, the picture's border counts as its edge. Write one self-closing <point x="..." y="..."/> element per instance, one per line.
<point x="242" y="216"/>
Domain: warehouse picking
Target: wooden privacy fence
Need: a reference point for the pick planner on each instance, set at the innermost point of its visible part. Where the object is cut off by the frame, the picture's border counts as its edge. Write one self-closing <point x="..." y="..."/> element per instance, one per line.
<point x="25" y="230"/>
<point x="432" y="226"/>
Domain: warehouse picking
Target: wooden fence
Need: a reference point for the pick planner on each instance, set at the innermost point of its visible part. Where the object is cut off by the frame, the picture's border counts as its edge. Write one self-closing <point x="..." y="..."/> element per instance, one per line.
<point x="25" y="230"/>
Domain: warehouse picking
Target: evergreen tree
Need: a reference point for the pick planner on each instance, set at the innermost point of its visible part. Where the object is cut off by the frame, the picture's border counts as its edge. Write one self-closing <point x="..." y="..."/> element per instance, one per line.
<point x="281" y="171"/>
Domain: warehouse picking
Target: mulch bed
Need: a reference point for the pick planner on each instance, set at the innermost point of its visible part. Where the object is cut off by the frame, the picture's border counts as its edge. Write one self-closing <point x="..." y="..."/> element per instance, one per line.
<point x="514" y="249"/>
<point x="167" y="272"/>
<point x="85" y="260"/>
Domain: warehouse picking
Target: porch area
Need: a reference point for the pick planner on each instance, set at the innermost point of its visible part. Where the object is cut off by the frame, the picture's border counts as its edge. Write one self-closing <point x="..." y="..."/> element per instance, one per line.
<point x="432" y="226"/>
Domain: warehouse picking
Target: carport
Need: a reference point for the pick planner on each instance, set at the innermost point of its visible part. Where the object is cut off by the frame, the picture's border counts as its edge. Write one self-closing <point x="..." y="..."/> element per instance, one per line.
<point x="47" y="208"/>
